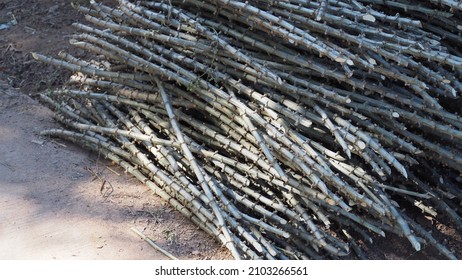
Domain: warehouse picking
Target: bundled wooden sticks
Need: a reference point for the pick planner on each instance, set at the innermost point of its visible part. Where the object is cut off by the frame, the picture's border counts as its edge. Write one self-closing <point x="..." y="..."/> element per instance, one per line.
<point x="285" y="129"/>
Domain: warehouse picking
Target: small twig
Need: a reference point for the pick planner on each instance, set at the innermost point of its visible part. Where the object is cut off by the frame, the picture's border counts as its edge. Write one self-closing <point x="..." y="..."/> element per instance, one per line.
<point x="58" y="143"/>
<point x="108" y="191"/>
<point x="113" y="171"/>
<point x="154" y="245"/>
<point x="7" y="166"/>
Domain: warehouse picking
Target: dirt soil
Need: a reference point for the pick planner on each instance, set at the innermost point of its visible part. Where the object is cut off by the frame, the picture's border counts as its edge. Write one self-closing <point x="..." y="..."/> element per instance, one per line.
<point x="57" y="200"/>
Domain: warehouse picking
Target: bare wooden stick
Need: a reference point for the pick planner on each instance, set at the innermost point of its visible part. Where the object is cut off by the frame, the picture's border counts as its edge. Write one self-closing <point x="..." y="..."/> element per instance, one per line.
<point x="153" y="244"/>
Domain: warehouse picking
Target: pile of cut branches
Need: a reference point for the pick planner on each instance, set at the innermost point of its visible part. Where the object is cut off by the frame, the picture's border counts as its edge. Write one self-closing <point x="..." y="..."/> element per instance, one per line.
<point x="286" y="129"/>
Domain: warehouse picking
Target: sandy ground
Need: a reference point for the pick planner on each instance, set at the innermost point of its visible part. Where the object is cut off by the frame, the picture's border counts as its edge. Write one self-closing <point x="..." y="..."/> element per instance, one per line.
<point x="54" y="205"/>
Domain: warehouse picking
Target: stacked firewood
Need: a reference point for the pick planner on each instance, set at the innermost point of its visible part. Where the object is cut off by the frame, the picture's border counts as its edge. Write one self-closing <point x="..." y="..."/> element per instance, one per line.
<point x="285" y="129"/>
